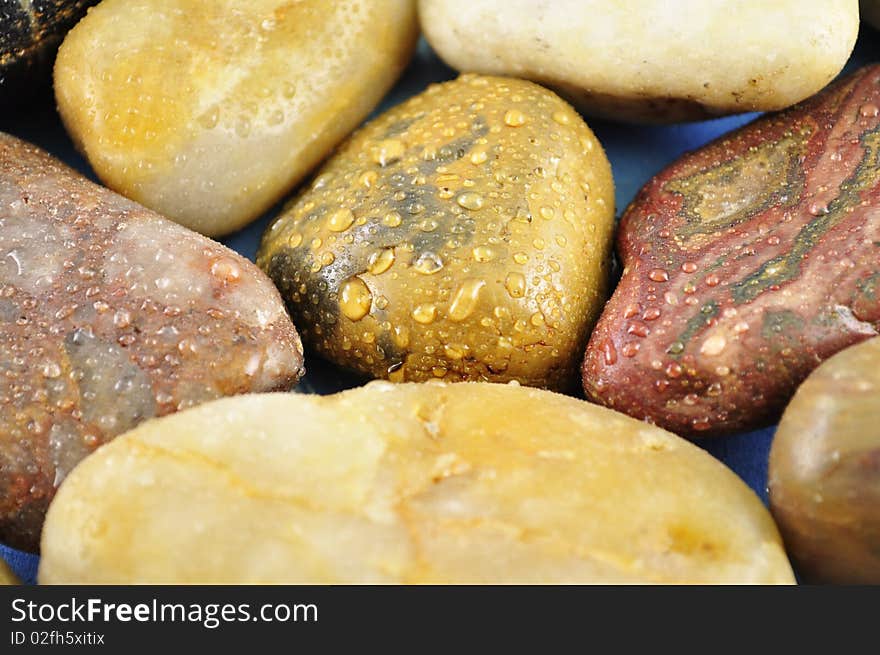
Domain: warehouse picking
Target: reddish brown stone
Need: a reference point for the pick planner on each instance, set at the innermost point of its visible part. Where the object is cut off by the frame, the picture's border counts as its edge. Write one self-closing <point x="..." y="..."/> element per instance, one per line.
<point x="758" y="257"/>
<point x="109" y="315"/>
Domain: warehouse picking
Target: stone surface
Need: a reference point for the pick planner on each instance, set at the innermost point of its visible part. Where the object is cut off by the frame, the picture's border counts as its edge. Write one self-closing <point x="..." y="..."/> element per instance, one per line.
<point x="109" y="315"/>
<point x="210" y="112"/>
<point x="746" y="264"/>
<point x="30" y="32"/>
<point x="463" y="235"/>
<point x="415" y="483"/>
<point x="825" y="470"/>
<point x="6" y="576"/>
<point x="652" y="60"/>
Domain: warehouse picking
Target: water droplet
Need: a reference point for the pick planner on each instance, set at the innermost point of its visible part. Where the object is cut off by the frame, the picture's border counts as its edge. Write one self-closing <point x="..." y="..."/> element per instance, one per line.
<point x="294" y="239"/>
<point x="537" y="319"/>
<point x="210" y="118"/>
<point x="50" y="370"/>
<point x="561" y="117"/>
<point x="122" y="319"/>
<point x="658" y="275"/>
<point x="368" y="178"/>
<point x="243" y="127"/>
<point x="520" y="258"/>
<point x="514" y="118"/>
<point x="674" y="370"/>
<point x="276" y="117"/>
<point x="675" y="348"/>
<point x="400" y="335"/>
<point x="388" y="151"/>
<point x="609" y="352"/>
<point x="701" y="424"/>
<point x="515" y="283"/>
<point x="470" y="200"/>
<point x="689" y="267"/>
<point x="424" y="314"/>
<point x="714" y="345"/>
<point x="712" y="280"/>
<point x="869" y="110"/>
<point x="226" y="270"/>
<point x="455" y="350"/>
<point x="381" y="261"/>
<point x="818" y="209"/>
<point x="392" y="219"/>
<point x="479" y="157"/>
<point x="483" y="254"/>
<point x="428" y="263"/>
<point x="355" y="299"/>
<point x="340" y="220"/>
<point x="638" y="329"/>
<point x="465" y="300"/>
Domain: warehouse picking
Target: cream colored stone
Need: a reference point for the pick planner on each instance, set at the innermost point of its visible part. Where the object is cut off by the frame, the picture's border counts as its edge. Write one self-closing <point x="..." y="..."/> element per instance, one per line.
<point x="209" y="112"/>
<point x="414" y="483"/>
<point x="7" y="577"/>
<point x="652" y="60"/>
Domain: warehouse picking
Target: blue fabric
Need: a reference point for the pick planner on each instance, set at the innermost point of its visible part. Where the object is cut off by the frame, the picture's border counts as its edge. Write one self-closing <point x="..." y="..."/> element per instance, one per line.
<point x="636" y="153"/>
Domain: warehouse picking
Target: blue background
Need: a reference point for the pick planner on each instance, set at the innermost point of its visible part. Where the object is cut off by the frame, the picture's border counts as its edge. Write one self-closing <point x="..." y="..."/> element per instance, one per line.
<point x="636" y="153"/>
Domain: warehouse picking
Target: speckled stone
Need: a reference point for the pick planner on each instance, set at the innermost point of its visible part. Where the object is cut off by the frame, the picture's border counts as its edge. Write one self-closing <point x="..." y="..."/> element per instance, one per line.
<point x="110" y="315"/>
<point x="30" y="33"/>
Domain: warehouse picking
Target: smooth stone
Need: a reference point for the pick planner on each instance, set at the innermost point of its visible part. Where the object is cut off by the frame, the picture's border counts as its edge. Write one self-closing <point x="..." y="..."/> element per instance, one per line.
<point x="746" y="264"/>
<point x="210" y="112"/>
<point x="110" y="315"/>
<point x="407" y="484"/>
<point x="652" y="61"/>
<point x="824" y="474"/>
<point x="465" y="235"/>
<point x="7" y="577"/>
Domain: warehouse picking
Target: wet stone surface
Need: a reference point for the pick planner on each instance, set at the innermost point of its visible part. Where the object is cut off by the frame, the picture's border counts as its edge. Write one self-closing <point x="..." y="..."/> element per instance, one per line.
<point x="746" y="264"/>
<point x="463" y="235"/>
<point x="109" y="315"/>
<point x="30" y="33"/>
